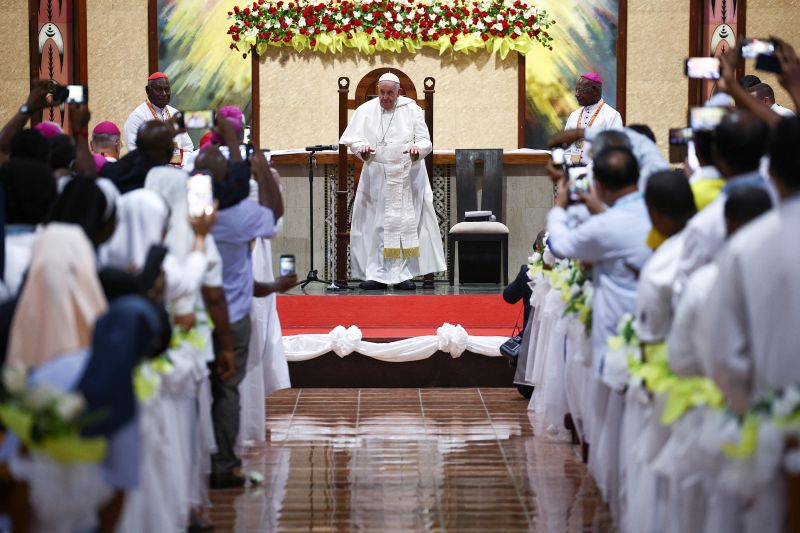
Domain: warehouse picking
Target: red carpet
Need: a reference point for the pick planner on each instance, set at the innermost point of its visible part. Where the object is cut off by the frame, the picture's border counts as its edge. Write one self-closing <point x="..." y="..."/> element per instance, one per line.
<point x="398" y="317"/>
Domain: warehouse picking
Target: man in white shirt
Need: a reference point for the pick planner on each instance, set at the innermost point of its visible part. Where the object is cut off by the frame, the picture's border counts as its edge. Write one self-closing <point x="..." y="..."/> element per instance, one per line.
<point x="594" y="113"/>
<point x="156" y="107"/>
<point x="753" y="310"/>
<point x="394" y="235"/>
<point x="613" y="241"/>
<point x="764" y="93"/>
<point x="737" y="146"/>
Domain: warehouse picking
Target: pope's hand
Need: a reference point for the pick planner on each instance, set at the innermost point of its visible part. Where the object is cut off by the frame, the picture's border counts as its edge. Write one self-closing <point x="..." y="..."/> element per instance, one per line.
<point x="413" y="151"/>
<point x="365" y="151"/>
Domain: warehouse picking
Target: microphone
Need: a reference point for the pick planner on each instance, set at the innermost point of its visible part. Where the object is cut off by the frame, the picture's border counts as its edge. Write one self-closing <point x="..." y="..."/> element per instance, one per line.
<point x="321" y="147"/>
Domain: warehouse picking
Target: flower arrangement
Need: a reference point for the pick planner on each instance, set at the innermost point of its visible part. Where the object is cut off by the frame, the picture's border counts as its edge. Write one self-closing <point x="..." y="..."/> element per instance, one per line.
<point x="577" y="292"/>
<point x="390" y="26"/>
<point x="48" y="420"/>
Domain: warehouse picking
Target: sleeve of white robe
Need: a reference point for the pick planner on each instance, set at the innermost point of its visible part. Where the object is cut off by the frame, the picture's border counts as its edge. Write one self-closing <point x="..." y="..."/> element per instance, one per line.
<point x="683" y="356"/>
<point x="725" y="329"/>
<point x="354" y="136"/>
<point x="422" y="137"/>
<point x="132" y="125"/>
<point x="183" y="280"/>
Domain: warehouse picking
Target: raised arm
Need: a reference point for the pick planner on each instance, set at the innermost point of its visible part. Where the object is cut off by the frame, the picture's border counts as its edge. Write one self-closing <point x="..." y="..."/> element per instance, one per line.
<point x="37" y="100"/>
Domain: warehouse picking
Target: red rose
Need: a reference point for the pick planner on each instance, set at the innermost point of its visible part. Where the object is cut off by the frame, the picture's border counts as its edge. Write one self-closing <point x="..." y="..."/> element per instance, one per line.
<point x="233" y="47"/>
<point x="373" y="40"/>
<point x="230" y="13"/>
<point x="236" y="9"/>
<point x="280" y="4"/>
<point x="313" y="42"/>
<point x="235" y="37"/>
<point x="485" y="37"/>
<point x="396" y="34"/>
<point x="453" y="39"/>
<point x="436" y="36"/>
<point x="287" y="39"/>
<point x="369" y="31"/>
<point x="246" y="11"/>
<point x="316" y="31"/>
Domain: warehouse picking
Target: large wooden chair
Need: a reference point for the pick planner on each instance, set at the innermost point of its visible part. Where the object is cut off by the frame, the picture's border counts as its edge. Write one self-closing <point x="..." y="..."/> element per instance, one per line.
<point x="467" y="200"/>
<point x="364" y="91"/>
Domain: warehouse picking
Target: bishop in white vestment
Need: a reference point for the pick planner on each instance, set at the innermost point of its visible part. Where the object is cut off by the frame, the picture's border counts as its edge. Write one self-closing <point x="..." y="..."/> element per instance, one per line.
<point x="394" y="235"/>
<point x="595" y="114"/>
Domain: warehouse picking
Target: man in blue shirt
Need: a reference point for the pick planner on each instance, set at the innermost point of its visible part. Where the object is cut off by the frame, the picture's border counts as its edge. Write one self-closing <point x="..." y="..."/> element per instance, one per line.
<point x="235" y="229"/>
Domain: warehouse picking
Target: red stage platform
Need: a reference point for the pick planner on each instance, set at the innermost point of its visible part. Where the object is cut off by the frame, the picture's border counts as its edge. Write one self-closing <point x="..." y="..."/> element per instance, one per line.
<point x="390" y="317"/>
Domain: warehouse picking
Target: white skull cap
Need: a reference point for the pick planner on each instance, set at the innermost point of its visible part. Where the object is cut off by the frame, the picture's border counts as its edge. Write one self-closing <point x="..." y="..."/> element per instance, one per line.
<point x="389" y="77"/>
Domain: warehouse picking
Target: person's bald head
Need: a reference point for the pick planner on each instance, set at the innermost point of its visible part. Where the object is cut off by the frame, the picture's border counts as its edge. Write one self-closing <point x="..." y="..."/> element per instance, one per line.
<point x="154" y="141"/>
<point x="610" y="139"/>
<point x="738" y="143"/>
<point x="158" y="91"/>
<point x="210" y="160"/>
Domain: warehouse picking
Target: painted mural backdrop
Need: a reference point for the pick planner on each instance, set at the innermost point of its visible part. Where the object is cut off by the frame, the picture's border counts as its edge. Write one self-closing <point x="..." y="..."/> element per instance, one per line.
<point x="585" y="38"/>
<point x="193" y="51"/>
<point x="720" y="31"/>
<point x="55" y="58"/>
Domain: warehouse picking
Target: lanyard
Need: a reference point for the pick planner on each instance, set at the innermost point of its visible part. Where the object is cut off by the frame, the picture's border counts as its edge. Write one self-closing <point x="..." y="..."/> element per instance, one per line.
<point x="153" y="111"/>
<point x="594" y="116"/>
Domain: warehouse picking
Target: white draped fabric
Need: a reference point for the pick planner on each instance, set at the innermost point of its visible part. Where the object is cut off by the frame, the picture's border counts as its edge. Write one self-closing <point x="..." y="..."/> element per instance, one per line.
<point x="450" y="339"/>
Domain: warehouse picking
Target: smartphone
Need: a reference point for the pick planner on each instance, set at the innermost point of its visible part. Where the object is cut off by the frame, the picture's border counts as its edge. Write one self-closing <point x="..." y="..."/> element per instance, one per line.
<point x="180" y="120"/>
<point x="246" y="150"/>
<point x="152" y="267"/>
<point x="557" y="155"/>
<point x="200" y="195"/>
<point x="703" y="68"/>
<point x="77" y="94"/>
<point x="287" y="265"/>
<point x="705" y="118"/>
<point x="768" y="63"/>
<point x="578" y="182"/>
<point x="752" y="48"/>
<point x="680" y="136"/>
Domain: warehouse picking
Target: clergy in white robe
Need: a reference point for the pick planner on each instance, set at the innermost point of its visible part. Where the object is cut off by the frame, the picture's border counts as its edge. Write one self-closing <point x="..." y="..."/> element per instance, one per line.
<point x="594" y="114"/>
<point x="156" y="107"/>
<point x="613" y="241"/>
<point x="394" y="234"/>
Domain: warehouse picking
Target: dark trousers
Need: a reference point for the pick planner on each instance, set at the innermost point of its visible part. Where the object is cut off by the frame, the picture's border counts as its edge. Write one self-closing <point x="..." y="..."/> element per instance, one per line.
<point x="225" y="406"/>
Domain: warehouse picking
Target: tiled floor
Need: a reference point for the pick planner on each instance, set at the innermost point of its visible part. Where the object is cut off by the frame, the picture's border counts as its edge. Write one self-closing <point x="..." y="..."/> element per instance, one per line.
<point x="410" y="460"/>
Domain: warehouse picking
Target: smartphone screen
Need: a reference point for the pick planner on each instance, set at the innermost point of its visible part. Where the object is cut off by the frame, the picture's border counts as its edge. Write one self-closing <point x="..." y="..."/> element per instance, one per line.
<point x="680" y="136"/>
<point x="76" y="94"/>
<point x="752" y="48"/>
<point x="578" y="182"/>
<point x="705" y="118"/>
<point x="287" y="265"/>
<point x="704" y="68"/>
<point x="200" y="195"/>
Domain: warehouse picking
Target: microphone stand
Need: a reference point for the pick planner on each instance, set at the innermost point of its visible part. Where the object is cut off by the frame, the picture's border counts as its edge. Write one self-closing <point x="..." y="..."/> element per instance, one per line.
<point x="312" y="273"/>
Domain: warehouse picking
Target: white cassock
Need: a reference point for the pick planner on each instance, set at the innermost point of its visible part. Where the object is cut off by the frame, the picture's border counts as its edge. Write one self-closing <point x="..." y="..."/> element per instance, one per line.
<point x="143" y="114"/>
<point x="654" y="310"/>
<point x="599" y="116"/>
<point x="394" y="235"/>
<point x="685" y="337"/>
<point x="750" y="320"/>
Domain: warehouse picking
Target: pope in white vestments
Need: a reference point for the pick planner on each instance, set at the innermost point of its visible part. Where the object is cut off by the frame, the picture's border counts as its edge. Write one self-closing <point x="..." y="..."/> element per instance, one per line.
<point x="595" y="114"/>
<point x="156" y="108"/>
<point x="394" y="235"/>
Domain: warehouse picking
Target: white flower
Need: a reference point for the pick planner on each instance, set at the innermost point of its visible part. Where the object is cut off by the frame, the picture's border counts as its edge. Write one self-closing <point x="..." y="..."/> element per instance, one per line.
<point x="535" y="27"/>
<point x="15" y="378"/>
<point x="498" y="27"/>
<point x="517" y="30"/>
<point x="302" y="22"/>
<point x="575" y="290"/>
<point x="70" y="406"/>
<point x="431" y="32"/>
<point x="288" y="21"/>
<point x="368" y="17"/>
<point x="500" y="16"/>
<point x="346" y="21"/>
<point x="39" y="397"/>
<point x="398" y="26"/>
<point x="487" y="18"/>
<point x="588" y="291"/>
<point x="453" y="21"/>
<point x="357" y="13"/>
<point x="388" y="15"/>
<point x="407" y="29"/>
<point x="337" y="16"/>
<point x="480" y="25"/>
<point x="399" y="17"/>
<point x="788" y="403"/>
<point x="421" y="11"/>
<point x="437" y="9"/>
<point x="535" y="258"/>
<point x="441" y="24"/>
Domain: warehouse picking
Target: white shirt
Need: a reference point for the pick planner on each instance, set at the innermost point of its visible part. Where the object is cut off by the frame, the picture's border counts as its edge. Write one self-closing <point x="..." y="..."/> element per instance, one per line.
<point x="142" y="114"/>
<point x="614" y="242"/>
<point x="607" y="118"/>
<point x="654" y="294"/>
<point x="705" y="233"/>
<point x="752" y="315"/>
<point x="708" y="172"/>
<point x="18" y="258"/>
<point x="782" y="111"/>
<point x="685" y="337"/>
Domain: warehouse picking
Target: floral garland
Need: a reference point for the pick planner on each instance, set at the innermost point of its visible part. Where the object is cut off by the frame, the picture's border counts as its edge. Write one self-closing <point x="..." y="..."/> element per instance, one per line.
<point x="47" y="420"/>
<point x="577" y="292"/>
<point x="390" y="26"/>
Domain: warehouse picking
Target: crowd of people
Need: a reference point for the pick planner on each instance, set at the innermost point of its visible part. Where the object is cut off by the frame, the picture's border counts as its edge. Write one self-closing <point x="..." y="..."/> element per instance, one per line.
<point x="132" y="373"/>
<point x="661" y="330"/>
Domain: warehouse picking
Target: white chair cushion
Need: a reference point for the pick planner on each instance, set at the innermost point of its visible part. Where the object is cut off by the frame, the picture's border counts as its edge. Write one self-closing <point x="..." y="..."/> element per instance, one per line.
<point x="479" y="227"/>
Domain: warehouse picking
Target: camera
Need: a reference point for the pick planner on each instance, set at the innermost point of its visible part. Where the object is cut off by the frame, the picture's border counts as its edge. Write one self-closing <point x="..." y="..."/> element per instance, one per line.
<point x="70" y="94"/>
<point x="287" y="265"/>
<point x="705" y="118"/>
<point x="703" y="68"/>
